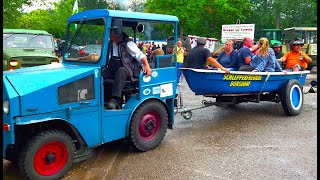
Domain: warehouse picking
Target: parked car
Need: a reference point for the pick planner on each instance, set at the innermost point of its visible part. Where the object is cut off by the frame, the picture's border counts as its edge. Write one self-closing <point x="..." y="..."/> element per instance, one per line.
<point x="25" y="48"/>
<point x="90" y="49"/>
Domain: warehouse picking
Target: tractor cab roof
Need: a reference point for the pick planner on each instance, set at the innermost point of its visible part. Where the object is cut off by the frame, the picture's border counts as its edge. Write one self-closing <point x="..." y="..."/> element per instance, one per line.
<point x="89" y="14"/>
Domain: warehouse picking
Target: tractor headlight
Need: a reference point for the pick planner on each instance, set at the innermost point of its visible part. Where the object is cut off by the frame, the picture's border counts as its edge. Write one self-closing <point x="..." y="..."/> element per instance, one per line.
<point x="6" y="106"/>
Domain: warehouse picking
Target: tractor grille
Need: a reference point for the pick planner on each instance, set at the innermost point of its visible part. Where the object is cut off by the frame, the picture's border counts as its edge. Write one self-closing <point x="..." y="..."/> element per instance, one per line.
<point x="34" y="59"/>
<point x="31" y="65"/>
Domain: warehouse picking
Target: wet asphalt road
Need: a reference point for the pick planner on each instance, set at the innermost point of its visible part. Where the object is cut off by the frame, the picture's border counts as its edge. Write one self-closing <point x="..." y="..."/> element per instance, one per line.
<point x="247" y="141"/>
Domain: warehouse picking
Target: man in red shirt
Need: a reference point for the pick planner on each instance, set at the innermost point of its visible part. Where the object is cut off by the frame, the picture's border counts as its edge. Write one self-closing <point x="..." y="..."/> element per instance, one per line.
<point x="296" y="60"/>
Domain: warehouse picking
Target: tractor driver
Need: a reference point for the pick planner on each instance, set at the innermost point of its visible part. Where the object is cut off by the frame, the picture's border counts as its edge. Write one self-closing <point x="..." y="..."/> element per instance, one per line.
<point x="123" y="57"/>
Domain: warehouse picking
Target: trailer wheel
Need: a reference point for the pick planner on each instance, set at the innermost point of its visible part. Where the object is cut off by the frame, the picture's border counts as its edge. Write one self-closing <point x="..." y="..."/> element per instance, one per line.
<point x="187" y="115"/>
<point x="148" y="126"/>
<point x="47" y="155"/>
<point x="292" y="97"/>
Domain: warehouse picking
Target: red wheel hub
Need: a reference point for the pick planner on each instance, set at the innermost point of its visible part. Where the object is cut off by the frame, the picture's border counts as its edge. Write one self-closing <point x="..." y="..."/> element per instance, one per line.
<point x="50" y="158"/>
<point x="149" y="126"/>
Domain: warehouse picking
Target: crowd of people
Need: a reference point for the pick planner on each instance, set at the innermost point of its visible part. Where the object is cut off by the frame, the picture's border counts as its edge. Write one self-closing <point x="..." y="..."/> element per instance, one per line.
<point x="235" y="56"/>
<point x="249" y="57"/>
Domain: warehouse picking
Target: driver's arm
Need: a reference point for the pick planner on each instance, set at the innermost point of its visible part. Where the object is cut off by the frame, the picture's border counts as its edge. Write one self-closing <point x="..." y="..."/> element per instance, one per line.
<point x="139" y="56"/>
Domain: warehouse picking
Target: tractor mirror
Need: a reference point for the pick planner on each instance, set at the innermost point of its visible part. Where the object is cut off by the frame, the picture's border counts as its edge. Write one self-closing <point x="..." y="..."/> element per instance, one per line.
<point x="140" y="28"/>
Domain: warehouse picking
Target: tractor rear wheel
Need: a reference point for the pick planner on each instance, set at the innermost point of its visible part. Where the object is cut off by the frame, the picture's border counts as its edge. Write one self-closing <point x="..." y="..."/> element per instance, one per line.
<point x="148" y="125"/>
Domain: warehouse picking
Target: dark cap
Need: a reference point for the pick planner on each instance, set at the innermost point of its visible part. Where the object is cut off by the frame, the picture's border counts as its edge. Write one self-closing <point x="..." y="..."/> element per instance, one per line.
<point x="201" y="41"/>
<point x="297" y="42"/>
<point x="276" y="45"/>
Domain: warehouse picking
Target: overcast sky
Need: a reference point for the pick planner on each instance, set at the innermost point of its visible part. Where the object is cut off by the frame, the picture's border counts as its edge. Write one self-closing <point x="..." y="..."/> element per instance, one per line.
<point x="35" y="5"/>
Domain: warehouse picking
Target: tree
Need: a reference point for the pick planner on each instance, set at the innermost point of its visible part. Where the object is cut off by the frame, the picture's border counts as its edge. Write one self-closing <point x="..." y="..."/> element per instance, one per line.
<point x="102" y="4"/>
<point x="54" y="21"/>
<point x="269" y="14"/>
<point x="220" y="12"/>
<point x="202" y="17"/>
<point x="11" y="12"/>
<point x="189" y="16"/>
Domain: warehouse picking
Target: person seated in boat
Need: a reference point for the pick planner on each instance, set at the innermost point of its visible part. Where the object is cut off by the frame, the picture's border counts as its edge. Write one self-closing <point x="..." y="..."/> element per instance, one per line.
<point x="277" y="50"/>
<point x="229" y="57"/>
<point x="199" y="56"/>
<point x="265" y="59"/>
<point x="296" y="60"/>
<point x="245" y="54"/>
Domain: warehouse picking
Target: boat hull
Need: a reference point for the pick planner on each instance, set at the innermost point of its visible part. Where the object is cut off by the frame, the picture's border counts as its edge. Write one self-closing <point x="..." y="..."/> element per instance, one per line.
<point x="215" y="82"/>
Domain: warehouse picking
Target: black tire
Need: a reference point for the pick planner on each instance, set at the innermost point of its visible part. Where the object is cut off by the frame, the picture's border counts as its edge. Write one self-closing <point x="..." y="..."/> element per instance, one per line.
<point x="292" y="97"/>
<point x="32" y="160"/>
<point x="142" y="136"/>
<point x="309" y="67"/>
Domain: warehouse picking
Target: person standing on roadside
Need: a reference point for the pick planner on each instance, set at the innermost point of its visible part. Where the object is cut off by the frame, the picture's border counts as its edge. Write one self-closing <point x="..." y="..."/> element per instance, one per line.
<point x="179" y="50"/>
<point x="187" y="45"/>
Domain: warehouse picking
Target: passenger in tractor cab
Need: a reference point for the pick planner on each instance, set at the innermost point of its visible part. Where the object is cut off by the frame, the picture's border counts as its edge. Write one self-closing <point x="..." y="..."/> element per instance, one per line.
<point x="296" y="60"/>
<point x="123" y="57"/>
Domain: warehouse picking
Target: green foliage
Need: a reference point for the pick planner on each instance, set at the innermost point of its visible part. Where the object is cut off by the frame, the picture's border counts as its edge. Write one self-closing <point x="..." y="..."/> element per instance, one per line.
<point x="11" y="12"/>
<point x="200" y="17"/>
<point x="283" y="14"/>
<point x="189" y="16"/>
<point x="54" y="21"/>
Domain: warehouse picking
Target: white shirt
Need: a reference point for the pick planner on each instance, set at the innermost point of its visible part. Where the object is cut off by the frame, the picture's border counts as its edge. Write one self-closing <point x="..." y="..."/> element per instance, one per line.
<point x="132" y="49"/>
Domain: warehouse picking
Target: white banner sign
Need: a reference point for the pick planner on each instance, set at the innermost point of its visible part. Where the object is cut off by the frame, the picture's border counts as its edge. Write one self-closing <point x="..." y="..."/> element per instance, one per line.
<point x="238" y="31"/>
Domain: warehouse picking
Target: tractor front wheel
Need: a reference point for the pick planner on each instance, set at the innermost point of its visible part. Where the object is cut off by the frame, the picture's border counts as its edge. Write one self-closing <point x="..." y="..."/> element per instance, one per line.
<point x="47" y="155"/>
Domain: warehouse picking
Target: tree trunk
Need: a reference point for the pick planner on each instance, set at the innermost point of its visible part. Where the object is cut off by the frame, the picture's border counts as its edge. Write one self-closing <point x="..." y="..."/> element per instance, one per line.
<point x="278" y="22"/>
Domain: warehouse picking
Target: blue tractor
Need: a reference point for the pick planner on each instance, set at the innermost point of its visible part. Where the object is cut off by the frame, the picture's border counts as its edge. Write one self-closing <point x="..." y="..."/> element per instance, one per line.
<point x="51" y="113"/>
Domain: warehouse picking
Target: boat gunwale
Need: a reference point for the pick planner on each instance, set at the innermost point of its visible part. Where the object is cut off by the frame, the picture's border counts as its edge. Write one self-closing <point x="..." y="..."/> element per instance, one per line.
<point x="245" y="72"/>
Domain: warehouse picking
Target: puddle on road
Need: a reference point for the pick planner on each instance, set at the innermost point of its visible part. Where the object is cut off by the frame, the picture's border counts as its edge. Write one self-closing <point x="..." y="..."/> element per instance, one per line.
<point x="101" y="165"/>
<point x="12" y="172"/>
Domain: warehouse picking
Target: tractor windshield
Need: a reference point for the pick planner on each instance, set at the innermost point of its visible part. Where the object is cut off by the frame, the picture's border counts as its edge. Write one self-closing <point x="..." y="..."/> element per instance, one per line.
<point x="85" y="40"/>
<point x="20" y="40"/>
<point x="306" y="36"/>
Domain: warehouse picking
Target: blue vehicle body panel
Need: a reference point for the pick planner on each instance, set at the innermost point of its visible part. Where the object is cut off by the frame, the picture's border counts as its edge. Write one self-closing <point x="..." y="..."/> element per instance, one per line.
<point x="115" y="123"/>
<point x="45" y="83"/>
<point x="86" y="120"/>
<point x="217" y="82"/>
<point x="159" y="84"/>
<point x="10" y="94"/>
